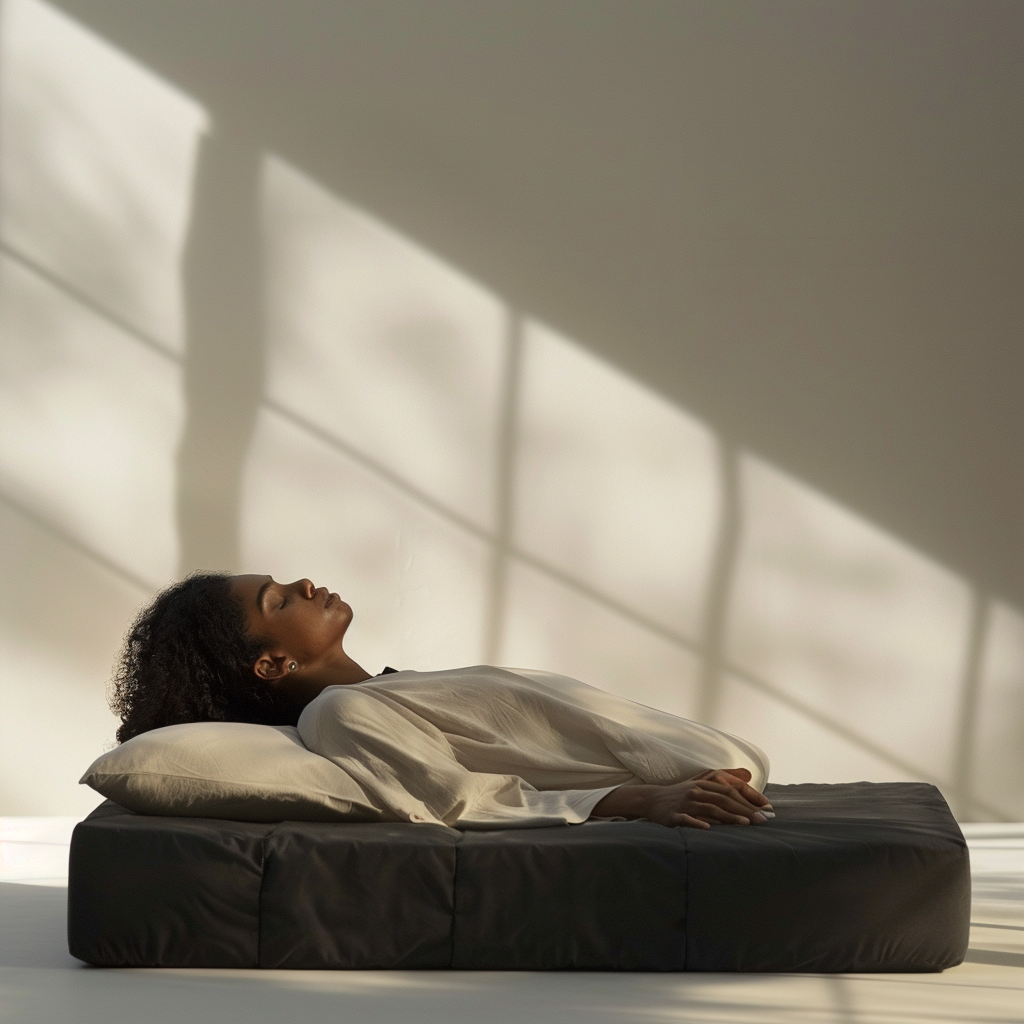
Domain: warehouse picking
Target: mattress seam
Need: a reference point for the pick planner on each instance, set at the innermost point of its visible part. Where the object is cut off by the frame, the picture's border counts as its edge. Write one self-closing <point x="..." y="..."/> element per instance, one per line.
<point x="686" y="897"/>
<point x="259" y="896"/>
<point x="455" y="876"/>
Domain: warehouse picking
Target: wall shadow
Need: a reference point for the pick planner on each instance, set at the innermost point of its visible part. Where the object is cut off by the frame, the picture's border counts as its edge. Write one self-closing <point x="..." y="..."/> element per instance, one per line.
<point x="745" y="209"/>
<point x="224" y="352"/>
<point x="826" y="304"/>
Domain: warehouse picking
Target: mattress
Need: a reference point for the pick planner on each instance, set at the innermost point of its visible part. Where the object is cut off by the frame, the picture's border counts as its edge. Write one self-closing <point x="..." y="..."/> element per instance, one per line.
<point x="853" y="877"/>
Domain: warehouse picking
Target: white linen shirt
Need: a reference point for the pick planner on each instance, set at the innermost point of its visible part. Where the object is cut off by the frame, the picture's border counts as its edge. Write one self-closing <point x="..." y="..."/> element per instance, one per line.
<point x="487" y="747"/>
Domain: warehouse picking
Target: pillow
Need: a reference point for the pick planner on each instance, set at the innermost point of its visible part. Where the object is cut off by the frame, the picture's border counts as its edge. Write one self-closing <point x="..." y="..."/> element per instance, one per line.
<point x="228" y="770"/>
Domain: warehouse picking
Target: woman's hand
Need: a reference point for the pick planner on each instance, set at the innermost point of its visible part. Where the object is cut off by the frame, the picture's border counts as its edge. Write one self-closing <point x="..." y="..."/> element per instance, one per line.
<point x="717" y="796"/>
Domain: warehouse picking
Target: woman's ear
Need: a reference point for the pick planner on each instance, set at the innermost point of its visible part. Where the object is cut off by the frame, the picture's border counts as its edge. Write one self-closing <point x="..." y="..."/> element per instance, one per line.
<point x="271" y="667"/>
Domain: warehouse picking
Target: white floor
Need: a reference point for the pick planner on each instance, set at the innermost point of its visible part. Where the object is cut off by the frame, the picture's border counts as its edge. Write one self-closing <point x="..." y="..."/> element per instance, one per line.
<point x="40" y="982"/>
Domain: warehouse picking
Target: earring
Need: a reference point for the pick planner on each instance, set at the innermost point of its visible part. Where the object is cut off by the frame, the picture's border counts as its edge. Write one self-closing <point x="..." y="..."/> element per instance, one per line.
<point x="292" y="666"/>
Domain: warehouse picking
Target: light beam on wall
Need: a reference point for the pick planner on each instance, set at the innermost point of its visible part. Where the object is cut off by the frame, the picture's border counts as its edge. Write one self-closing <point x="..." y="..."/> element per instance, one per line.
<point x="475" y="483"/>
<point x="96" y="156"/>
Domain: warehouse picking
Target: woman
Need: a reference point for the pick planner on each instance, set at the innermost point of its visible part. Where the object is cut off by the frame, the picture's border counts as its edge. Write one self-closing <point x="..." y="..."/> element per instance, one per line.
<point x="479" y="747"/>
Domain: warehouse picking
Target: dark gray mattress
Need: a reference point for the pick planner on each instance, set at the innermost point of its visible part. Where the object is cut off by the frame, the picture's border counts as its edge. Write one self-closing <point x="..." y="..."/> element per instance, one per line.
<point x="856" y="877"/>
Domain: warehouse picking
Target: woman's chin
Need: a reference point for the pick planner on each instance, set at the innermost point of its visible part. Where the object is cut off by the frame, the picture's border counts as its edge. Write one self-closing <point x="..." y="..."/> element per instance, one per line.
<point x="343" y="613"/>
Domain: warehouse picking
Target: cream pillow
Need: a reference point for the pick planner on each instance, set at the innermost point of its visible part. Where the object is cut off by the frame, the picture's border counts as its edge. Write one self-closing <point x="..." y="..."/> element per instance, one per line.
<point x="227" y="770"/>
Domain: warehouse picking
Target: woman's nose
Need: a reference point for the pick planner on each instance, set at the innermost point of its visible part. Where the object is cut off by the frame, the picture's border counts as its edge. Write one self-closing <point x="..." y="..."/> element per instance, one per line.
<point x="305" y="587"/>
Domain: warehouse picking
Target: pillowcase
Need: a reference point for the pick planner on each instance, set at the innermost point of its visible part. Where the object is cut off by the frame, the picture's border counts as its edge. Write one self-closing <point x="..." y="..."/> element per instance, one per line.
<point x="228" y="770"/>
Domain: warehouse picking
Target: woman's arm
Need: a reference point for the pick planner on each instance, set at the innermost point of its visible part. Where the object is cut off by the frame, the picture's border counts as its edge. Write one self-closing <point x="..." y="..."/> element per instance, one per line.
<point x="717" y="796"/>
<point x="409" y="772"/>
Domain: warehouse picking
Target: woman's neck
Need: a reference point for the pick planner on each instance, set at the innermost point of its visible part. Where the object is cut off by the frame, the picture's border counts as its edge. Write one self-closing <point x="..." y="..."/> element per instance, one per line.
<point x="307" y="685"/>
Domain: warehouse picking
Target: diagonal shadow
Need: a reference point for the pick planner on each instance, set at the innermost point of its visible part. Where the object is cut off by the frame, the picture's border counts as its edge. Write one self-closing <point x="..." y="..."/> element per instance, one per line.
<point x="721" y="579"/>
<point x="964" y="751"/>
<point x="504" y="490"/>
<point x="224" y="363"/>
<point x="994" y="957"/>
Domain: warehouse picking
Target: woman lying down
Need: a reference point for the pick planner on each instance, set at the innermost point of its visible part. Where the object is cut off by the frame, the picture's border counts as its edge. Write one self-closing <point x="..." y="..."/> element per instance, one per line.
<point x="483" y="746"/>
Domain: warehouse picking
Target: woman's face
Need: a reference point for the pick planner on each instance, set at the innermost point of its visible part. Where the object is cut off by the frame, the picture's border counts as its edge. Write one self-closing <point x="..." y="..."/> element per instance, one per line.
<point x="303" y="625"/>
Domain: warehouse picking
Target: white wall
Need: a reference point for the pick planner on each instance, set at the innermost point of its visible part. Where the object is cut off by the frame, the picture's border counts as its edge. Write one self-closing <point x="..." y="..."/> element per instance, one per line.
<point x="674" y="346"/>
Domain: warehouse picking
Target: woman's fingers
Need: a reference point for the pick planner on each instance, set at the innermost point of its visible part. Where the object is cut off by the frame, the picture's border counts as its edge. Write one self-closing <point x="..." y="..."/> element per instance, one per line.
<point x="752" y="796"/>
<point x="724" y="810"/>
<point x="690" y="821"/>
<point x="742" y="785"/>
<point x="704" y="799"/>
<point x="738" y="779"/>
<point x="712" y="812"/>
<point x="725" y="796"/>
<point x="729" y="805"/>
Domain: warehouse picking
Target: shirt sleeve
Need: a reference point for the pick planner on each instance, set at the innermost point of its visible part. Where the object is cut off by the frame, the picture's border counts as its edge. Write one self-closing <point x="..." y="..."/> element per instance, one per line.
<point x="537" y="808"/>
<point x="408" y="769"/>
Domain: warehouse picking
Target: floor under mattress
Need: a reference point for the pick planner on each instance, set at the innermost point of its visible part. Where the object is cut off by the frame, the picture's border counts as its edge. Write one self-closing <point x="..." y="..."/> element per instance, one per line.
<point x="40" y="982"/>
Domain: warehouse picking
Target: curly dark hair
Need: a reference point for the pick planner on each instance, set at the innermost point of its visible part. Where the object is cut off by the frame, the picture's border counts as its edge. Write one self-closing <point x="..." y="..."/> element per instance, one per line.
<point x="188" y="658"/>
